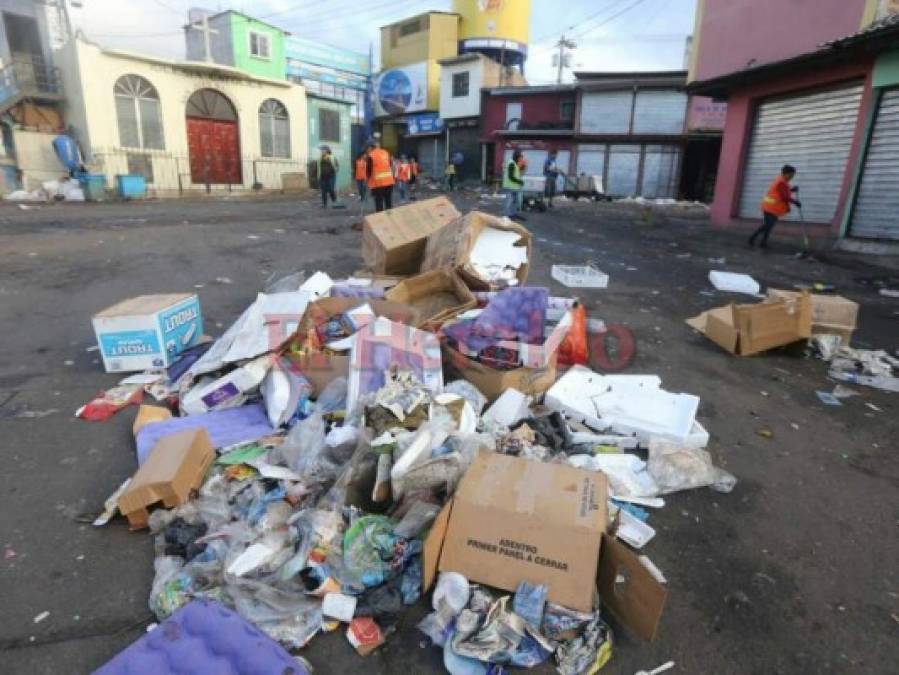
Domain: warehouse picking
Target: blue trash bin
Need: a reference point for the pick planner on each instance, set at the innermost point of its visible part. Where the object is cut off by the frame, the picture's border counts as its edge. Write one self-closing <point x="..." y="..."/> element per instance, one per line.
<point x="94" y="186"/>
<point x="131" y="186"/>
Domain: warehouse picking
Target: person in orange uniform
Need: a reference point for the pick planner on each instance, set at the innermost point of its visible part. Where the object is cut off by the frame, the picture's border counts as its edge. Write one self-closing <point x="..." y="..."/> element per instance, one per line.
<point x="413" y="178"/>
<point x="776" y="204"/>
<point x="403" y="176"/>
<point x="379" y="171"/>
<point x="361" y="176"/>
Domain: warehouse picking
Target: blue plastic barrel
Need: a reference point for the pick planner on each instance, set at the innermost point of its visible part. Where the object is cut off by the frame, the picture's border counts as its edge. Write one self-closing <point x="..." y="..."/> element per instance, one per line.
<point x="131" y="186"/>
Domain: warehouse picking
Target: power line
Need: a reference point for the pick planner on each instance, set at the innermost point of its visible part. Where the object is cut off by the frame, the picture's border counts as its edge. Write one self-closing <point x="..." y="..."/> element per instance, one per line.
<point x="586" y="19"/>
<point x="168" y="7"/>
<point x="611" y="18"/>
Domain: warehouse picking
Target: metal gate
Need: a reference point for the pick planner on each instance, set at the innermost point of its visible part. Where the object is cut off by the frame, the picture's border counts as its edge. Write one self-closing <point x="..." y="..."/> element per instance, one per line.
<point x="876" y="212"/>
<point x="814" y="133"/>
<point x="214" y="147"/>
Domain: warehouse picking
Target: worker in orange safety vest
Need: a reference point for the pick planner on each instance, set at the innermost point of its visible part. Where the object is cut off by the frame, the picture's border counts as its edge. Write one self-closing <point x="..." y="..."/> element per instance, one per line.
<point x="379" y="171"/>
<point x="403" y="176"/>
<point x="361" y="176"/>
<point x="776" y="204"/>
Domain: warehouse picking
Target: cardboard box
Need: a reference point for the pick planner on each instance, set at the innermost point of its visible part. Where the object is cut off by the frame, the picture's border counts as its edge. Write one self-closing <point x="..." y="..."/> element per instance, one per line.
<point x="322" y="368"/>
<point x="751" y="329"/>
<point x="492" y="382"/>
<point x="437" y="296"/>
<point x="453" y="246"/>
<point x="831" y="314"/>
<point x="148" y="331"/>
<point x="514" y="520"/>
<point x="175" y="468"/>
<point x="393" y="241"/>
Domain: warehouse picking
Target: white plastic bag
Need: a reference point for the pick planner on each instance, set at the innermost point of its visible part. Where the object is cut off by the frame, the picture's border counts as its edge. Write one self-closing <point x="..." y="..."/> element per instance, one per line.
<point x="675" y="467"/>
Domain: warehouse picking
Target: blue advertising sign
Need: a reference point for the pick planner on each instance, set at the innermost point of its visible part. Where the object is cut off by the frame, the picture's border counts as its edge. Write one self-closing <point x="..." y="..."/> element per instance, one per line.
<point x="329" y="75"/>
<point x="424" y="123"/>
<point x="309" y="51"/>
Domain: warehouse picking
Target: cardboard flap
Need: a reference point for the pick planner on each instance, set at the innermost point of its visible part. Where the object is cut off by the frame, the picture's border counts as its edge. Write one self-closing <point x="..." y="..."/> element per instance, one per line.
<point x="433" y="546"/>
<point x="718" y="326"/>
<point x="772" y="324"/>
<point x="630" y="590"/>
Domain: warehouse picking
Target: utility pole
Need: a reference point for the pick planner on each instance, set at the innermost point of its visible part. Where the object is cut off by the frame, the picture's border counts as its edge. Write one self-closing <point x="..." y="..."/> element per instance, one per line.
<point x="563" y="58"/>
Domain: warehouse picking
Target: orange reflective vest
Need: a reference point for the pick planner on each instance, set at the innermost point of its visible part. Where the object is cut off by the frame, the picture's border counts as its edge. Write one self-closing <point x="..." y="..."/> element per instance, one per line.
<point x="381" y="171"/>
<point x="403" y="172"/>
<point x="777" y="200"/>
<point x="361" y="169"/>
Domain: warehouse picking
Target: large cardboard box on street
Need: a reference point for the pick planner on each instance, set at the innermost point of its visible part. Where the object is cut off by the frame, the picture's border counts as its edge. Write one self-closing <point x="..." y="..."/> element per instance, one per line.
<point x="751" y="329"/>
<point x="492" y="382"/>
<point x="148" y="331"/>
<point x="322" y="368"/>
<point x="393" y="241"/>
<point x="514" y="520"/>
<point x="831" y="314"/>
<point x="176" y="466"/>
<point x="475" y="238"/>
<point x="438" y="296"/>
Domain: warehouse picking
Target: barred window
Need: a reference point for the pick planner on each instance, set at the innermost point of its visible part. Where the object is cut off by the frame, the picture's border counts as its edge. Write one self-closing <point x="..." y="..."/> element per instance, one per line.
<point x="138" y="113"/>
<point x="274" y="129"/>
<point x="329" y="125"/>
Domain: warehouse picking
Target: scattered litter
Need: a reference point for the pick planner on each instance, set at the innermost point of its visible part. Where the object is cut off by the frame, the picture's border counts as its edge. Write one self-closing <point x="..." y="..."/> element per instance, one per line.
<point x="224" y="280"/>
<point x="36" y="414"/>
<point x="765" y="432"/>
<point x="40" y="617"/>
<point x="732" y="282"/>
<point x="580" y="276"/>
<point x="828" y="399"/>
<point x="889" y="292"/>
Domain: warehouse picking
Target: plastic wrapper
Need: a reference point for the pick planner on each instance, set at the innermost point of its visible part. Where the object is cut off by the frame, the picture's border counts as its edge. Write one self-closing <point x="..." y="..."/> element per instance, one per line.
<point x="675" y="467"/>
<point x="108" y="403"/>
<point x="493" y="638"/>
<point x="167" y="594"/>
<point x="529" y="601"/>
<point x="451" y="595"/>
<point x="280" y="282"/>
<point x="333" y="397"/>
<point x="370" y="549"/>
<point x="410" y="582"/>
<point x="588" y="652"/>
<point x="573" y="350"/>
<point x="469" y="392"/>
<point x="416" y="520"/>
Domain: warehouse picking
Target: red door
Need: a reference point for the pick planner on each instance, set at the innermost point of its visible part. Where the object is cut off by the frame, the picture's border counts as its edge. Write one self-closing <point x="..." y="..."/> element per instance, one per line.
<point x="214" y="148"/>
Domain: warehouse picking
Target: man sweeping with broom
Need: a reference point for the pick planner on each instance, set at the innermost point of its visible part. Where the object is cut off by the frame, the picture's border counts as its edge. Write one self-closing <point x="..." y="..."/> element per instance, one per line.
<point x="776" y="204"/>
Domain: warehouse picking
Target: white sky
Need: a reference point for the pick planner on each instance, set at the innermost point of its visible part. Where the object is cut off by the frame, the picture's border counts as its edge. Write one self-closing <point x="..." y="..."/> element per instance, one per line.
<point x="611" y="34"/>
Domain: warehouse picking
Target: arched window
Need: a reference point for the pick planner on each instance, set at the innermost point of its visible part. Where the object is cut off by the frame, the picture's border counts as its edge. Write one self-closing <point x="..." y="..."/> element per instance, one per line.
<point x="274" y="129"/>
<point x="211" y="105"/>
<point x="138" y="113"/>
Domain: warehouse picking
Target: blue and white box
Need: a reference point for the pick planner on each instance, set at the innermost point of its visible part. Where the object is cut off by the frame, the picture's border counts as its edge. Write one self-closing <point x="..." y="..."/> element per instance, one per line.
<point x="148" y="331"/>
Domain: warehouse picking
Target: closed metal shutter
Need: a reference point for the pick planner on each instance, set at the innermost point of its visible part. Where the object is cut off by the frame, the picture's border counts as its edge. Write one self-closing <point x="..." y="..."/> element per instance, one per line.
<point x="876" y="211"/>
<point x="607" y="112"/>
<point x="624" y="169"/>
<point x="813" y="133"/>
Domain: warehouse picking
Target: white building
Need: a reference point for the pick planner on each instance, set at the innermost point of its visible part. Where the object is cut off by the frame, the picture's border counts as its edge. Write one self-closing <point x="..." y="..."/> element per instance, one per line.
<point x="182" y="125"/>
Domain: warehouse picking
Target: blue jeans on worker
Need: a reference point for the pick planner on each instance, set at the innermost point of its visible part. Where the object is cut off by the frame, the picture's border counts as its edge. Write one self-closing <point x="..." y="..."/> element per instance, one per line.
<point x="512" y="204"/>
<point x="401" y="188"/>
<point x="326" y="184"/>
<point x="362" y="187"/>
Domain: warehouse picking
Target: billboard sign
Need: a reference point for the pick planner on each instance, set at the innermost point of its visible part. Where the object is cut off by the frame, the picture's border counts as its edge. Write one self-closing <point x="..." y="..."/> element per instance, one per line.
<point x="330" y="75"/>
<point x="704" y="114"/>
<point x="401" y="90"/>
<point x="316" y="53"/>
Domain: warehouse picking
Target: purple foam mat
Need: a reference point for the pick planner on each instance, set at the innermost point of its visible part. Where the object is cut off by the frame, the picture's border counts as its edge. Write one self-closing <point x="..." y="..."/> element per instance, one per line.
<point x="203" y="638"/>
<point x="225" y="427"/>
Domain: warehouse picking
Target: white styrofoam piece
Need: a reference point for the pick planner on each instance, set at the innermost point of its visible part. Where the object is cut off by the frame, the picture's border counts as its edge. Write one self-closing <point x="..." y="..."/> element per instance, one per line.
<point x="495" y="253"/>
<point x="633" y="531"/>
<point x="627" y="473"/>
<point x="319" y="284"/>
<point x="698" y="437"/>
<point x="339" y="606"/>
<point x="255" y="556"/>
<point x="734" y="283"/>
<point x="508" y="408"/>
<point x="626" y="404"/>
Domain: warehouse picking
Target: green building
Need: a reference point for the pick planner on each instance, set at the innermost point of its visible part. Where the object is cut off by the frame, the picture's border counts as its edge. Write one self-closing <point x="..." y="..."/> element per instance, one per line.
<point x="234" y="39"/>
<point x="329" y="124"/>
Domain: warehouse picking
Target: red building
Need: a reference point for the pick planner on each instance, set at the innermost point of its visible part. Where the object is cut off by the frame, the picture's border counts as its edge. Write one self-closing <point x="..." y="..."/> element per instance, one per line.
<point x="534" y="120"/>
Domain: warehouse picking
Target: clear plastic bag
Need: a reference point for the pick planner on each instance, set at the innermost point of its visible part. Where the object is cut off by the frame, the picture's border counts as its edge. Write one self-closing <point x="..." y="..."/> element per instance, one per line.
<point x="333" y="397"/>
<point x="674" y="467"/>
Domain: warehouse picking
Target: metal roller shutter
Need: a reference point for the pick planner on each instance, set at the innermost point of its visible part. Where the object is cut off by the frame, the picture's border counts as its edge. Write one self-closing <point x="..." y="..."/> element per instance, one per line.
<point x="876" y="211"/>
<point x="812" y="132"/>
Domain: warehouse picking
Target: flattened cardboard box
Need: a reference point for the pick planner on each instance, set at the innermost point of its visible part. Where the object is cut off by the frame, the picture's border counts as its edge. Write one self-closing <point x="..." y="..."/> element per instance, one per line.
<point x="176" y="466"/>
<point x="393" y="241"/>
<point x="492" y="382"/>
<point x="451" y="246"/>
<point x="322" y="368"/>
<point x="514" y="520"/>
<point x="751" y="329"/>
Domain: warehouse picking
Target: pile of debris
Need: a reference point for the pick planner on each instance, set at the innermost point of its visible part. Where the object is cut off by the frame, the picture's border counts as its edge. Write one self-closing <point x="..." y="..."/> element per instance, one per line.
<point x="347" y="445"/>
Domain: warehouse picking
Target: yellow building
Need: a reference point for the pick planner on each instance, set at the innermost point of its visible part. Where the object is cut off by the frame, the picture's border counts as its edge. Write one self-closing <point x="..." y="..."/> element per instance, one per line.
<point x="498" y="29"/>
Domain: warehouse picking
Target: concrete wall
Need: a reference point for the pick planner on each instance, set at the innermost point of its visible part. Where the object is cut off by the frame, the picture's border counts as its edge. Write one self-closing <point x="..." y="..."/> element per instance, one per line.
<point x="341" y="150"/>
<point x="28" y="8"/>
<point x="274" y="67"/>
<point x="90" y="75"/>
<point x="536" y="108"/>
<point x="437" y="39"/>
<point x="35" y="158"/>
<point x="741" y="107"/>
<point x="452" y="107"/>
<point x="733" y="34"/>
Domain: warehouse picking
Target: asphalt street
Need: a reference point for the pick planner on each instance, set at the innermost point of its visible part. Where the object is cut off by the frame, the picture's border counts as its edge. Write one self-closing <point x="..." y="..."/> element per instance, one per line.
<point x="793" y="572"/>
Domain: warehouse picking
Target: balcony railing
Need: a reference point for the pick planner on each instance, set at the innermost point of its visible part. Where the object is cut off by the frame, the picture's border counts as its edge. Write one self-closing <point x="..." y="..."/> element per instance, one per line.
<point x="28" y="78"/>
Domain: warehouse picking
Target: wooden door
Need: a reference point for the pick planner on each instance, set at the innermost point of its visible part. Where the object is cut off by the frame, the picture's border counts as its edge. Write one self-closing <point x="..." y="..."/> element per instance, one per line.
<point x="214" y="148"/>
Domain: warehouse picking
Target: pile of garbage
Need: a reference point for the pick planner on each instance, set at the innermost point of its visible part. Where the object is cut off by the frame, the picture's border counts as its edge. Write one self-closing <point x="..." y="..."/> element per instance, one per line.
<point x="346" y="446"/>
